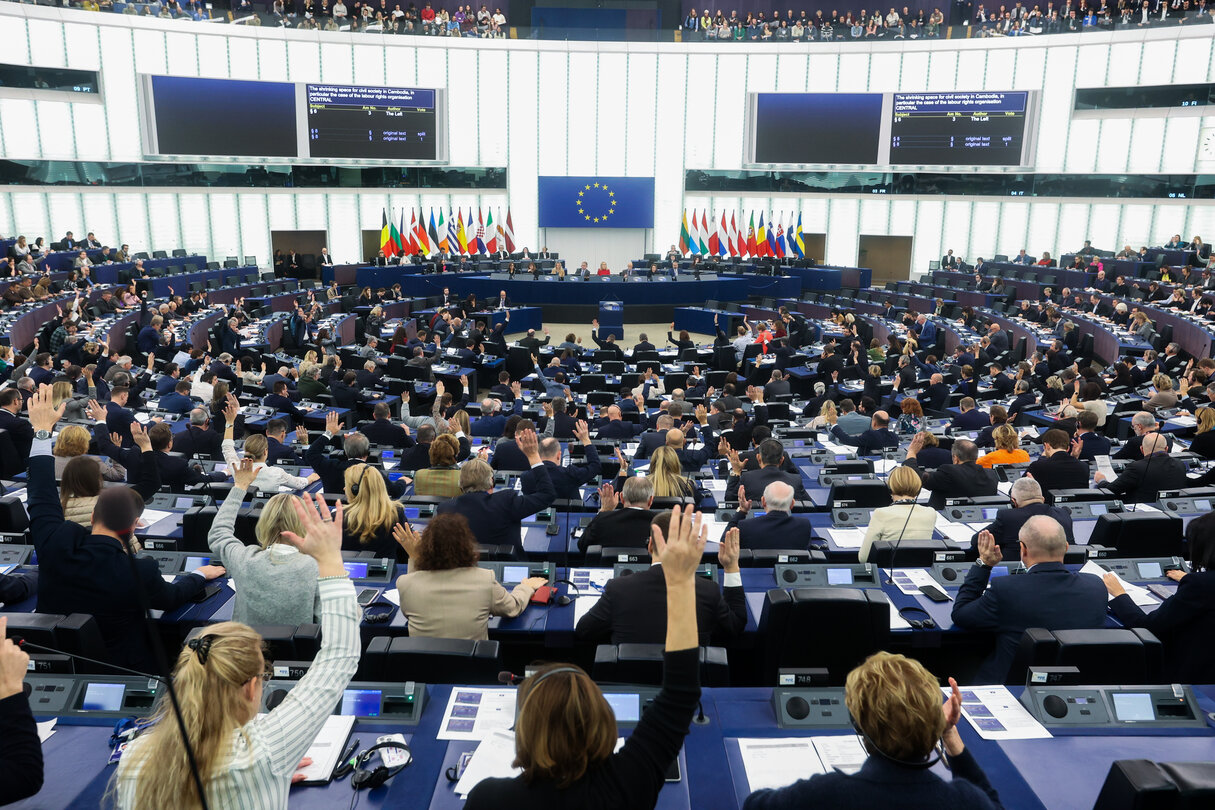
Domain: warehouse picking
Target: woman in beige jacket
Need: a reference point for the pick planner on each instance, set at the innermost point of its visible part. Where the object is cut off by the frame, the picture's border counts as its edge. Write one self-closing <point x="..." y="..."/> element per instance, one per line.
<point x="445" y="594"/>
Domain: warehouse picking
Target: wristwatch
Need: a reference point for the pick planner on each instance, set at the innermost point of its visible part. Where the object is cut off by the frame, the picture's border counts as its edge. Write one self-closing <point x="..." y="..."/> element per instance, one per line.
<point x="42" y="434"/>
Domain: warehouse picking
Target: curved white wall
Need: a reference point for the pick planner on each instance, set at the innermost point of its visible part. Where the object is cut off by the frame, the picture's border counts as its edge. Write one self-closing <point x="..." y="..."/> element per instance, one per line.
<point x="598" y="108"/>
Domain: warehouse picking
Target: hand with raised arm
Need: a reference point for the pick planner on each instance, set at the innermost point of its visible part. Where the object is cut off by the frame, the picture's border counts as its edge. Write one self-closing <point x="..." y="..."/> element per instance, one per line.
<point x="333" y="423"/>
<point x="141" y="438"/>
<point x="529" y="445"/>
<point x="42" y="412"/>
<point x="681" y="551"/>
<point x="406" y="538"/>
<point x="608" y="500"/>
<point x="243" y="474"/>
<point x="322" y="538"/>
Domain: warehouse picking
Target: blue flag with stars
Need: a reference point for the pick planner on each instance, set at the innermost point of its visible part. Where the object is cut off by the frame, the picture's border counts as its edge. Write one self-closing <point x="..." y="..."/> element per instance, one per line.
<point x="596" y="202"/>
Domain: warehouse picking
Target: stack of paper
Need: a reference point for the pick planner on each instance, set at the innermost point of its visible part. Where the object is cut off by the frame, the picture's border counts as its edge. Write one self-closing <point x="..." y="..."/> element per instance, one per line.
<point x="846" y="538"/>
<point x="582" y="606"/>
<point x="1139" y="595"/>
<point x="326" y="749"/>
<point x="491" y="760"/>
<point x="909" y="580"/>
<point x="473" y="714"/>
<point x="997" y="715"/>
<point x="957" y="533"/>
<point x="778" y="762"/>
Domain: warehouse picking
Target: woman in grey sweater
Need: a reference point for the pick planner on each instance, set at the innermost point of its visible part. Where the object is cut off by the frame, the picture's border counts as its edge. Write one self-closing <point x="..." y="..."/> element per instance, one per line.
<point x="271" y="579"/>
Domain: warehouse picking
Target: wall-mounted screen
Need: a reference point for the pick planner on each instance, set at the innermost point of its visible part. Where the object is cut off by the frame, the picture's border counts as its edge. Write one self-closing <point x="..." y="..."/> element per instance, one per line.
<point x="989" y="128"/>
<point x="192" y="117"/>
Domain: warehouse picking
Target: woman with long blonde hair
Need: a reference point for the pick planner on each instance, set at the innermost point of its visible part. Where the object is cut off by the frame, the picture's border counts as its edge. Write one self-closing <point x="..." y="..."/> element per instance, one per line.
<point x="370" y="514"/>
<point x="828" y="415"/>
<point x="666" y="473"/>
<point x="218" y="678"/>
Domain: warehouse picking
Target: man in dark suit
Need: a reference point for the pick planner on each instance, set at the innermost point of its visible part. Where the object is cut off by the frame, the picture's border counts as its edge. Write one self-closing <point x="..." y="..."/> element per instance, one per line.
<point x="651" y="440"/>
<point x="503" y="390"/>
<point x="501" y="302"/>
<point x="178" y="400"/>
<point x="1024" y="399"/>
<point x="778" y="386"/>
<point x="961" y="479"/>
<point x="175" y="472"/>
<point x="949" y="261"/>
<point x="1056" y="468"/>
<point x="1000" y="382"/>
<point x="19" y="431"/>
<point x="777" y="527"/>
<point x="633" y="609"/>
<point x="1087" y="444"/>
<point x="1027" y="501"/>
<point x="1142" y="480"/>
<point x="494" y="517"/>
<point x="1143" y="423"/>
<point x="355" y="450"/>
<point x="418" y="456"/>
<point x="564" y="421"/>
<point x="198" y="440"/>
<point x="643" y="345"/>
<point x="280" y="400"/>
<point x="533" y="343"/>
<point x="278" y="449"/>
<point x="614" y="427"/>
<point x="936" y="395"/>
<point x="383" y="432"/>
<point x="87" y="570"/>
<point x="324" y="258"/>
<point x="492" y="421"/>
<point x="971" y="417"/>
<point x="626" y="527"/>
<point x="566" y="480"/>
<point x="872" y="441"/>
<point x="1048" y="596"/>
<point x="770" y="456"/>
<point x="508" y="455"/>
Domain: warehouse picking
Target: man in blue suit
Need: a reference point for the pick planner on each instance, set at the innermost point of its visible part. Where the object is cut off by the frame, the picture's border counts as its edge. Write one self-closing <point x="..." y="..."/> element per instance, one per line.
<point x="926" y="331"/>
<point x="178" y="401"/>
<point x="492" y="421"/>
<point x="777" y="527"/>
<point x="1087" y="444"/>
<point x="167" y="381"/>
<point x="566" y="480"/>
<point x="149" y="336"/>
<point x="1047" y="596"/>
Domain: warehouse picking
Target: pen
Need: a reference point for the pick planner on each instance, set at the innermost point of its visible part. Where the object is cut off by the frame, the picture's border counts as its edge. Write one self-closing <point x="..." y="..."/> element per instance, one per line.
<point x="346" y="761"/>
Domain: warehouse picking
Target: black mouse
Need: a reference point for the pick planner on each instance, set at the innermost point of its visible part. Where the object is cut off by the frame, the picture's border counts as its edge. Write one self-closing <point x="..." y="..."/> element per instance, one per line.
<point x="1055" y="706"/>
<point x="798" y="708"/>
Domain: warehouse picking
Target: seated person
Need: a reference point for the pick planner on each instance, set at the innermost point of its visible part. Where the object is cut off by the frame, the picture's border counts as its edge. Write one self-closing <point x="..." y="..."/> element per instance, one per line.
<point x="902" y="520"/>
<point x="970" y="418"/>
<point x="624" y="527"/>
<point x="445" y="594"/>
<point x="268" y="478"/>
<point x="896" y="708"/>
<point x="1027" y="501"/>
<point x="1142" y="480"/>
<point x="630" y="611"/>
<point x="568" y="479"/>
<point x="272" y="578"/>
<point x="442" y="477"/>
<point x="370" y="514"/>
<point x="777" y="528"/>
<point x="961" y="479"/>
<point x="1008" y="448"/>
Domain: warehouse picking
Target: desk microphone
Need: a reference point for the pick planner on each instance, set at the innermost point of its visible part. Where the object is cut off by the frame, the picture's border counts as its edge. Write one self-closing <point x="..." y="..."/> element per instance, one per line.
<point x="29" y="645"/>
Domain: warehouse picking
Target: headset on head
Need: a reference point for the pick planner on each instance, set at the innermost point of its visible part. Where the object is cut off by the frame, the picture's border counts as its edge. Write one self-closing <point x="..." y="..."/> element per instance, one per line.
<point x="871" y="747"/>
<point x="354" y="487"/>
<point x="372" y="779"/>
<point x="535" y="680"/>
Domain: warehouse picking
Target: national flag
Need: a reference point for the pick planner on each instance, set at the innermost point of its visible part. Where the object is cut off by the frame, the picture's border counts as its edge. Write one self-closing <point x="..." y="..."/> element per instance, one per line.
<point x="752" y="245"/>
<point x="461" y="236"/>
<point x="453" y="238"/>
<point x="715" y="241"/>
<point x="723" y="237"/>
<point x="693" y="239"/>
<point x="501" y="231"/>
<point x="771" y="237"/>
<point x="780" y="238"/>
<point x="409" y="241"/>
<point x="731" y="231"/>
<point x="387" y="243"/>
<point x="435" y="242"/>
<point x="704" y="230"/>
<point x="471" y="233"/>
<point x="509" y="236"/>
<point x="420" y="241"/>
<point x="394" y="235"/>
<point x="761" y="238"/>
<point x="480" y="232"/>
<point x="684" y="237"/>
<point x="796" y="242"/>
<point x="491" y="231"/>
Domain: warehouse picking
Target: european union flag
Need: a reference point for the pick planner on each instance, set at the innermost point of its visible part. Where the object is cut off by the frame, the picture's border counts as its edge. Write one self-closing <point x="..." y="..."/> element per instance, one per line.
<point x="596" y="202"/>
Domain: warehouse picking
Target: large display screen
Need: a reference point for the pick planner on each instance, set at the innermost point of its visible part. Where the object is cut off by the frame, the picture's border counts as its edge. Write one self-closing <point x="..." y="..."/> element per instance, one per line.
<point x="971" y="129"/>
<point x="192" y="117"/>
<point x="989" y="128"/>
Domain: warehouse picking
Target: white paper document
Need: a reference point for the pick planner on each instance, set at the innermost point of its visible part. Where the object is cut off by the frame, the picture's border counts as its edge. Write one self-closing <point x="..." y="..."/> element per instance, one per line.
<point x="590" y="580"/>
<point x="837" y="449"/>
<point x="472" y="714"/>
<point x="1139" y="595"/>
<point x="583" y="605"/>
<point x="957" y="533"/>
<point x="1106" y="467"/>
<point x="491" y="760"/>
<point x="996" y="715"/>
<point x="151" y="517"/>
<point x="778" y="762"/>
<point x="327" y="748"/>
<point x="897" y="622"/>
<point x="46" y="729"/>
<point x="846" y="538"/>
<point x="909" y="580"/>
<point x="840" y="752"/>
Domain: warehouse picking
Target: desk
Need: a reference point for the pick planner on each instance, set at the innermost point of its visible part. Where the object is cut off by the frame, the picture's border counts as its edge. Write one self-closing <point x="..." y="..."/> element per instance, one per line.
<point x="701" y="320"/>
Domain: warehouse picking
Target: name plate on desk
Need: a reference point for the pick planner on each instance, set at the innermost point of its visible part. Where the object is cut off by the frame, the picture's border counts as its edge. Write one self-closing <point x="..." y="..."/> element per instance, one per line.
<point x="810" y="708"/>
<point x="815" y="575"/>
<point x="850" y="516"/>
<point x="1114" y="706"/>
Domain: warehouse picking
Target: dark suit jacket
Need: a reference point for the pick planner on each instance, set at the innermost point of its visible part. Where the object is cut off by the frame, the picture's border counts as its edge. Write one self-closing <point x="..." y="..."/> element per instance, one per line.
<point x="956" y="481"/>
<point x="1094" y="444"/>
<point x="384" y="432"/>
<point x="1131" y="447"/>
<point x="1181" y="623"/>
<point x="937" y="396"/>
<point x="756" y="481"/>
<point x="1008" y="523"/>
<point x="868" y="443"/>
<point x="494" y="517"/>
<point x="1142" y="480"/>
<point x="1047" y="596"/>
<point x="623" y="528"/>
<point x="773" y="530"/>
<point x="618" y="429"/>
<point x="633" y="610"/>
<point x="20" y="433"/>
<point x="1059" y="471"/>
<point x="1021" y="403"/>
<point x="973" y="419"/>
<point x="566" y="480"/>
<point x="195" y="442"/>
<point x="1204" y="444"/>
<point x="83" y="573"/>
<point x="333" y="470"/>
<point x="276" y="451"/>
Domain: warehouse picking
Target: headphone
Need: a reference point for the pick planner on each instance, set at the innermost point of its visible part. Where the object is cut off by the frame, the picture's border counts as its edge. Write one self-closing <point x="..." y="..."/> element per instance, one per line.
<point x="870" y="746"/>
<point x="354" y="488"/>
<point x="531" y="690"/>
<point x="372" y="779"/>
<point x="380" y="611"/>
<point x="925" y="623"/>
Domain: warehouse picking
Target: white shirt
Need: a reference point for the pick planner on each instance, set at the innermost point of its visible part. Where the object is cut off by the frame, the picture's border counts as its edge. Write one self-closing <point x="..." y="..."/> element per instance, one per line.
<point x="268" y="478"/>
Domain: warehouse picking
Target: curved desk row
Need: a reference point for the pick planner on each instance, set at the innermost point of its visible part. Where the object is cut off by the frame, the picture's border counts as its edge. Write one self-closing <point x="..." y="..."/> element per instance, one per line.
<point x="27" y="325"/>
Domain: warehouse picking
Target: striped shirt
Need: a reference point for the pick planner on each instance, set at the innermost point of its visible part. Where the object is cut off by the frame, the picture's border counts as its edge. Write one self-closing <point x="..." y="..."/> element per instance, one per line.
<point x="266" y="751"/>
<point x="268" y="478"/>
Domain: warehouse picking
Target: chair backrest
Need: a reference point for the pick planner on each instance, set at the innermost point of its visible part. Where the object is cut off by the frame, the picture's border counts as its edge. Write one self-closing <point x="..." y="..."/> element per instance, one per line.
<point x="868" y="494"/>
<point x="846" y="625"/>
<point x="1140" y="534"/>
<point x="643" y="664"/>
<point x="1140" y="784"/>
<point x="907" y="553"/>
<point x="442" y="660"/>
<point x="13" y="517"/>
<point x="1103" y="656"/>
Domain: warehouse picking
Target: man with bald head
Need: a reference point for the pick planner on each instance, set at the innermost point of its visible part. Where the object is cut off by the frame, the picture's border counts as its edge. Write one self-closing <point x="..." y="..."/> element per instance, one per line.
<point x="1049" y="596"/>
<point x="1027" y="501"/>
<point x="964" y="478"/>
<point x="613" y="427"/>
<point x="936" y="395"/>
<point x="777" y="527"/>
<point x="1141" y="481"/>
<point x="566" y="480"/>
<point x="872" y="441"/>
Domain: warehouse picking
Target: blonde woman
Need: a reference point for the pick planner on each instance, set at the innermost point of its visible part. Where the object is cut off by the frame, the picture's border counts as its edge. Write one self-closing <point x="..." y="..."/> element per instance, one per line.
<point x="904" y="519"/>
<point x="74" y="407"/>
<point x="1165" y="396"/>
<point x="666" y="473"/>
<point x="73" y="442"/>
<point x="1008" y="448"/>
<point x="275" y="583"/>
<point x="219" y="676"/>
<point x="1141" y="325"/>
<point x="370" y="514"/>
<point x="828" y="415"/>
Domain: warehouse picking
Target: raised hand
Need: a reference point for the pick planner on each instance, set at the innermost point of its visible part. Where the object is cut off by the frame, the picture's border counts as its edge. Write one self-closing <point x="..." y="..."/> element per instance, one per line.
<point x="952" y="709"/>
<point x="243" y="473"/>
<point x="406" y="538"/>
<point x="231" y="409"/>
<point x="682" y="550"/>
<point x="744" y="504"/>
<point x="582" y="432"/>
<point x="141" y="438"/>
<point x="322" y="538"/>
<point x="42" y="411"/>
<point x="728" y="551"/>
<point x="333" y="423"/>
<point x="989" y="551"/>
<point x="528" y="444"/>
<point x="607" y="498"/>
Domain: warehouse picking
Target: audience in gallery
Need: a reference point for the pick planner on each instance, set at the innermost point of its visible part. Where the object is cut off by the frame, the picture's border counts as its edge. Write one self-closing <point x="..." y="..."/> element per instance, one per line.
<point x="841" y="397"/>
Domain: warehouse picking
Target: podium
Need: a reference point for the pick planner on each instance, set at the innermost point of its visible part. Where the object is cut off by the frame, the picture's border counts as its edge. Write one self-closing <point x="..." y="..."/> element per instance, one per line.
<point x="611" y="319"/>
